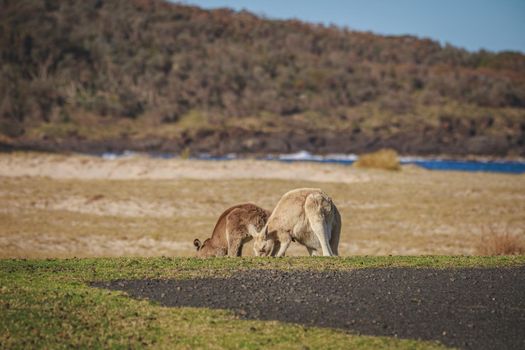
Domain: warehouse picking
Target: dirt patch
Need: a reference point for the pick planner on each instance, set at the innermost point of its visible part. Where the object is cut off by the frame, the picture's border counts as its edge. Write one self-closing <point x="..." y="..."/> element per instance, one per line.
<point x="465" y="308"/>
<point x="104" y="207"/>
<point x="45" y="246"/>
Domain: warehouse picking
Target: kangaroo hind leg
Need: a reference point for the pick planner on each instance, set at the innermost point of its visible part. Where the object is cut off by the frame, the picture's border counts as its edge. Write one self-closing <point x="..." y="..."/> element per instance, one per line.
<point x="236" y="233"/>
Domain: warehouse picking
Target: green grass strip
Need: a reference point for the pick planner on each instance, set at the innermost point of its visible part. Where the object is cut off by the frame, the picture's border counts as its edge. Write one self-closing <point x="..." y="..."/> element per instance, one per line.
<point x="47" y="304"/>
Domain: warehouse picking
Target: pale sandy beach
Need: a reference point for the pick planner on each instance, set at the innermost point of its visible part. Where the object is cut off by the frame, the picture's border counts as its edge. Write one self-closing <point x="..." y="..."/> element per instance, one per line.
<point x="137" y="167"/>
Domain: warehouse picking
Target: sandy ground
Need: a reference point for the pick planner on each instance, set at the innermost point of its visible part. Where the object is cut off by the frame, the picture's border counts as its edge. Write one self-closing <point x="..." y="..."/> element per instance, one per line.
<point x="77" y="205"/>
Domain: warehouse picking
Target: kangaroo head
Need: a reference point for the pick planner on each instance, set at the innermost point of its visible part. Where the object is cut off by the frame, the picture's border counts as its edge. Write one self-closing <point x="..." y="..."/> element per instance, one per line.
<point x="206" y="249"/>
<point x="264" y="243"/>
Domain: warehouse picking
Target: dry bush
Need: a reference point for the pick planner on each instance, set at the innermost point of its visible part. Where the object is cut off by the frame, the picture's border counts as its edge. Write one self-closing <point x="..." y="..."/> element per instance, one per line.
<point x="185" y="153"/>
<point x="494" y="242"/>
<point x="387" y="159"/>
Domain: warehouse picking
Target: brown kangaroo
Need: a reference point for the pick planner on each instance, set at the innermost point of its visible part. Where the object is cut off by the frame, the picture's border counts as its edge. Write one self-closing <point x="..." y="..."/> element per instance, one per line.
<point x="235" y="226"/>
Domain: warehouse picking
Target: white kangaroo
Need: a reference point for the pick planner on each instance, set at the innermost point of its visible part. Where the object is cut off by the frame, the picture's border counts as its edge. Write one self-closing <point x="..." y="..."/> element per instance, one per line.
<point x="305" y="215"/>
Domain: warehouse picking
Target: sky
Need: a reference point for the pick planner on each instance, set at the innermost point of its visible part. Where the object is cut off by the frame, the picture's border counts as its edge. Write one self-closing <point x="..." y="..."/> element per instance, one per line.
<point x="494" y="25"/>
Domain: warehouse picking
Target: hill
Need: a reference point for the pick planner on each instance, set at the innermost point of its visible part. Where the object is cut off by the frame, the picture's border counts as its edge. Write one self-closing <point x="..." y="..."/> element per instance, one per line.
<point x="151" y="75"/>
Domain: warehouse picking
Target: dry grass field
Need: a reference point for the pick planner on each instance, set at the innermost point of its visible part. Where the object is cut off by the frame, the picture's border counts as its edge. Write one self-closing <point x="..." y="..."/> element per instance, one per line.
<point x="82" y="206"/>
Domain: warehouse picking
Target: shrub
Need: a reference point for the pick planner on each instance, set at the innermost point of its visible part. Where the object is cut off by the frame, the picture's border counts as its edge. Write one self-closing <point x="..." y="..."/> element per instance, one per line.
<point x="185" y="153"/>
<point x="387" y="159"/>
<point x="494" y="242"/>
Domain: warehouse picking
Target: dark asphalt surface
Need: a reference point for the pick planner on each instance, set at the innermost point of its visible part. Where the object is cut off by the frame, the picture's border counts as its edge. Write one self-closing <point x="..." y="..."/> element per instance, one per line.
<point x="465" y="308"/>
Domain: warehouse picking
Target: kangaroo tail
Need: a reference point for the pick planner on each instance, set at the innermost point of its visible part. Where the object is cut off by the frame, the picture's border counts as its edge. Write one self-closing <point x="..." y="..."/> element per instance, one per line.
<point x="319" y="211"/>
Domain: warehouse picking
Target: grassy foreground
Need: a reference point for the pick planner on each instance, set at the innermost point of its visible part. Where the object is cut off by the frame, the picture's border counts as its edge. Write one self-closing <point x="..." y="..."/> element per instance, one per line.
<point x="48" y="304"/>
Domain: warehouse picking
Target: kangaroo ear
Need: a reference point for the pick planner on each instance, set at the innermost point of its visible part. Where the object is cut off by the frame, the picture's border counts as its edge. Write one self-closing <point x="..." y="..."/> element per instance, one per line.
<point x="197" y="243"/>
<point x="265" y="232"/>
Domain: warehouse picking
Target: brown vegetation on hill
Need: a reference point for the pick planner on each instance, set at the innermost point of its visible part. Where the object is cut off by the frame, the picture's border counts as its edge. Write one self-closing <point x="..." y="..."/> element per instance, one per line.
<point x="147" y="74"/>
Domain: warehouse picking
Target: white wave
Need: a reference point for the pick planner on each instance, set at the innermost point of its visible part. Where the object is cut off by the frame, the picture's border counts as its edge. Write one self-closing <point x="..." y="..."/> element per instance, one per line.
<point x="307" y="156"/>
<point x="301" y="155"/>
<point x="410" y="159"/>
<point x="341" y="157"/>
<point x="116" y="155"/>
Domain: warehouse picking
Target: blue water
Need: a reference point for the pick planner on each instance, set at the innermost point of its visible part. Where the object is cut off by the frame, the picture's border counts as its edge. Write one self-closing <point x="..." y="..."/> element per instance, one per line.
<point x="440" y="164"/>
<point x="511" y="167"/>
<point x="465" y="165"/>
